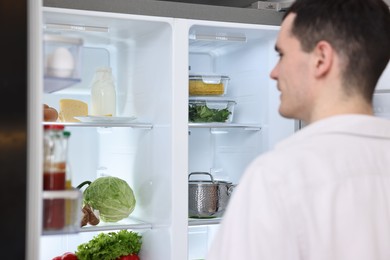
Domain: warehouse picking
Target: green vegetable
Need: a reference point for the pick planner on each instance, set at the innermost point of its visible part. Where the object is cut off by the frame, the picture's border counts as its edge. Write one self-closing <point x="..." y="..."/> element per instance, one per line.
<point x="112" y="196"/>
<point x="110" y="246"/>
<point x="202" y="113"/>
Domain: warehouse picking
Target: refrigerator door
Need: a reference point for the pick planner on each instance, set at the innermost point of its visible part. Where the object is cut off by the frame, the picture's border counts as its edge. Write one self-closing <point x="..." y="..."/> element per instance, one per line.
<point x="13" y="128"/>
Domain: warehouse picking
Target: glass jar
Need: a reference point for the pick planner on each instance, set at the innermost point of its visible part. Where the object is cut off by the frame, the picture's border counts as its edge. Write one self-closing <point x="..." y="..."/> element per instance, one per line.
<point x="103" y="94"/>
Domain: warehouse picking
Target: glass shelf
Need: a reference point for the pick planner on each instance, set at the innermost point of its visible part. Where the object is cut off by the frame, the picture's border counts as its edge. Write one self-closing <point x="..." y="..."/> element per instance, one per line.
<point x="94" y="124"/>
<point x="127" y="223"/>
<point x="203" y="221"/>
<point x="225" y="125"/>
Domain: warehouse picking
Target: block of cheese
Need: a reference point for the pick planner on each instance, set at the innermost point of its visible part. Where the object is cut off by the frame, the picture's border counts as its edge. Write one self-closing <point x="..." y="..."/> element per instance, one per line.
<point x="69" y="108"/>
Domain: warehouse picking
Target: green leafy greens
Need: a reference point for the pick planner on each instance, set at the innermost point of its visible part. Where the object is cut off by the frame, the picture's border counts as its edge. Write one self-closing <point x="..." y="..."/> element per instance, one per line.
<point x="202" y="113"/>
<point x="110" y="246"/>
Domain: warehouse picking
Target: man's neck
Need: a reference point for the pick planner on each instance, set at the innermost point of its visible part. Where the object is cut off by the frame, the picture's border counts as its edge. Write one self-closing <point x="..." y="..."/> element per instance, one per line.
<point x="340" y="106"/>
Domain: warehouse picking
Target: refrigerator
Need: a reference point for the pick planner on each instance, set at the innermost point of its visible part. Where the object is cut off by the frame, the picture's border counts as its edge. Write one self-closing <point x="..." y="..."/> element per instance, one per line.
<point x="152" y="50"/>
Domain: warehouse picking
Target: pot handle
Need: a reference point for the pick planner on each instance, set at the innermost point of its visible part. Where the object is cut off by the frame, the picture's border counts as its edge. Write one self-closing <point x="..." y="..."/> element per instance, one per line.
<point x="231" y="189"/>
<point x="201" y="173"/>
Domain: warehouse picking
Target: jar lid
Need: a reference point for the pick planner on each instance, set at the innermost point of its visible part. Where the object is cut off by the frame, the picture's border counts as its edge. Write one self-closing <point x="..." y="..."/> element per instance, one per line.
<point x="54" y="127"/>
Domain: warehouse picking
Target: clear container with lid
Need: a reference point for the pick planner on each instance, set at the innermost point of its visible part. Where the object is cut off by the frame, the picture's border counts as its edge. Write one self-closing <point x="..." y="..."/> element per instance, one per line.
<point x="208" y="85"/>
<point x="62" y="56"/>
<point x="210" y="111"/>
<point x="62" y="62"/>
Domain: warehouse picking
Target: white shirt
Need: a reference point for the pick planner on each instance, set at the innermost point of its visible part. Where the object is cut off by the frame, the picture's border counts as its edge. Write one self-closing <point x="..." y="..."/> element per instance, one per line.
<point x="322" y="194"/>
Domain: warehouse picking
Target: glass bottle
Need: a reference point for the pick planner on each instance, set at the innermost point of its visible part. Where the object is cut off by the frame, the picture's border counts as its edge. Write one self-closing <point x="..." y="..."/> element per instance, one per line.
<point x="55" y="157"/>
<point x="103" y="94"/>
<point x="68" y="168"/>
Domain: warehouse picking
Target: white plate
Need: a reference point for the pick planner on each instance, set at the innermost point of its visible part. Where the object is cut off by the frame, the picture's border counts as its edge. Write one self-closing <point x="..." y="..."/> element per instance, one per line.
<point x="105" y="119"/>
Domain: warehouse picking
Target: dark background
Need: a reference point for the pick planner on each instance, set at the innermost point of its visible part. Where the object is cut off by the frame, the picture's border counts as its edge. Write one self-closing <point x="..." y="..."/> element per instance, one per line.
<point x="13" y="127"/>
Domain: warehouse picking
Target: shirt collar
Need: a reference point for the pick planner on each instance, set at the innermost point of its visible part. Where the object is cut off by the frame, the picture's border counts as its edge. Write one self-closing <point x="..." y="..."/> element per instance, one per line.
<point x="351" y="124"/>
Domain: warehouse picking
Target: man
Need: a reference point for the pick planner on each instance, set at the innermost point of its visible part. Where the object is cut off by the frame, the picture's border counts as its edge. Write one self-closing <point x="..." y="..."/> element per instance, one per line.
<point x="323" y="193"/>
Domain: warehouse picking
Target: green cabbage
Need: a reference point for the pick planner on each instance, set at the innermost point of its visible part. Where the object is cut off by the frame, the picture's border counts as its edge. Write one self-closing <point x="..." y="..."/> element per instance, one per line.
<point x="112" y="196"/>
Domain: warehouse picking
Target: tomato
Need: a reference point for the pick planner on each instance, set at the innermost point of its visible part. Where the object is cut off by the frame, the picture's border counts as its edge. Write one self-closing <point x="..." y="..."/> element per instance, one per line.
<point x="57" y="258"/>
<point x="69" y="256"/>
<point x="129" y="257"/>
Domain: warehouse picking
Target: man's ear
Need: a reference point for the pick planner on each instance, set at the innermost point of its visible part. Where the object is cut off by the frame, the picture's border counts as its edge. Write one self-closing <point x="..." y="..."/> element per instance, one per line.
<point x="323" y="58"/>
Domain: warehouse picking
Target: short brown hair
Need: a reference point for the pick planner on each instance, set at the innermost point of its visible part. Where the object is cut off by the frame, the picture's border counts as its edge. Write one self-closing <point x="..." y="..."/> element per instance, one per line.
<point x="359" y="31"/>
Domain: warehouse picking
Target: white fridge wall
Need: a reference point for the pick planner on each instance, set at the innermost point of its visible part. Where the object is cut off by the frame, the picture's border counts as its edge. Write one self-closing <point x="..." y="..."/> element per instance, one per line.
<point x="248" y="64"/>
<point x="381" y="104"/>
<point x="381" y="100"/>
<point x="384" y="81"/>
<point x="227" y="152"/>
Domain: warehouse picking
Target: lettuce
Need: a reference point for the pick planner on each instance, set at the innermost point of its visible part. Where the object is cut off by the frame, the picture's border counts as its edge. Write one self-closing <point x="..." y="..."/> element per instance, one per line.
<point x="110" y="246"/>
<point x="112" y="196"/>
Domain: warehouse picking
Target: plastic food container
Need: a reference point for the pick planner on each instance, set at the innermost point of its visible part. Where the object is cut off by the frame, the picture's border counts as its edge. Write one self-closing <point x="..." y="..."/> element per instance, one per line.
<point x="210" y="111"/>
<point x="208" y="85"/>
<point x="71" y="202"/>
<point x="61" y="61"/>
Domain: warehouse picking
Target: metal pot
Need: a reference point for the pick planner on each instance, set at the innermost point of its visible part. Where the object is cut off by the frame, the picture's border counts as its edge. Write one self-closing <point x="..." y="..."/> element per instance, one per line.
<point x="207" y="198"/>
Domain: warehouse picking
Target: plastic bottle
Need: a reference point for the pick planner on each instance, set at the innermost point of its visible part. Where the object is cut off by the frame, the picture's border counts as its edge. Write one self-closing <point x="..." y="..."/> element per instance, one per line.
<point x="103" y="94"/>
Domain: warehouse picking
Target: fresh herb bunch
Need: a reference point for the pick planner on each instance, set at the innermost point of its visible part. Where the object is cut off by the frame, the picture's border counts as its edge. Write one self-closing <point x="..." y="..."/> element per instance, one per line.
<point x="110" y="246"/>
<point x="202" y="113"/>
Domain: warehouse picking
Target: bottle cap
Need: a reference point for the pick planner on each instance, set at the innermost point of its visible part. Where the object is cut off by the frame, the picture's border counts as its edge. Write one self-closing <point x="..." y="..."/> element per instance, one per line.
<point x="54" y="127"/>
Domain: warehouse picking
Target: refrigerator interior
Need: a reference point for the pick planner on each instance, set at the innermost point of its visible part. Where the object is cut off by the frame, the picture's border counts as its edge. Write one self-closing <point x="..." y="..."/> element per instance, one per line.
<point x="381" y="104"/>
<point x="244" y="53"/>
<point x="144" y="54"/>
<point x="139" y="52"/>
